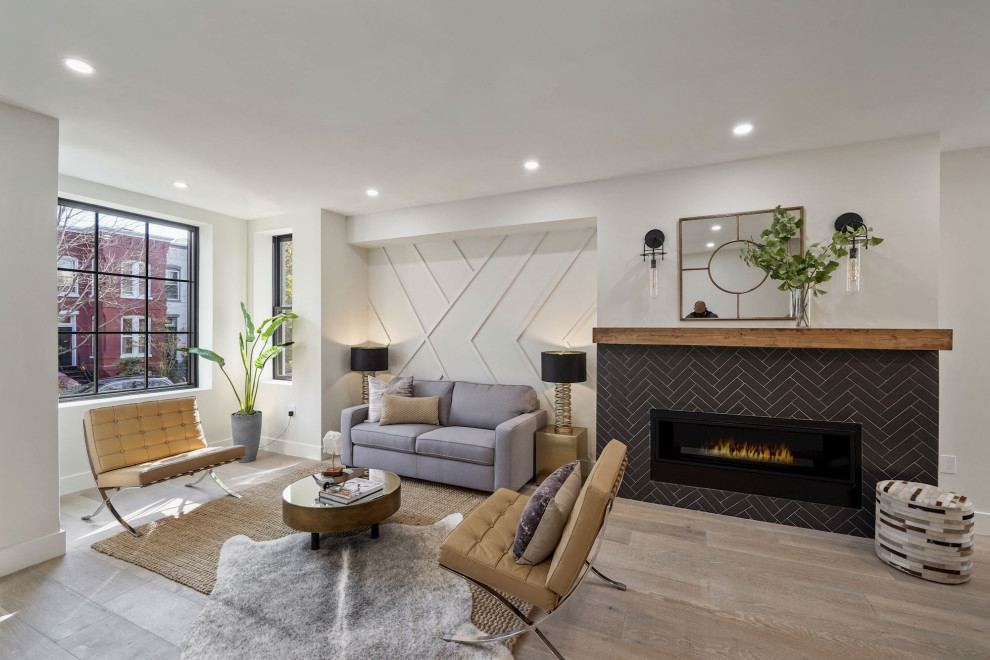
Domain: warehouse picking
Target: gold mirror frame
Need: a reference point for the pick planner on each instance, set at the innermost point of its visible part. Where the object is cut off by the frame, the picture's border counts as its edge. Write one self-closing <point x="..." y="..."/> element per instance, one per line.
<point x="736" y="237"/>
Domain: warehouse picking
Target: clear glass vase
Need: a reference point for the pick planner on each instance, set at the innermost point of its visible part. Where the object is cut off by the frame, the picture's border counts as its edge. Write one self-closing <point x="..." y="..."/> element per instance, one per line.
<point x="801" y="306"/>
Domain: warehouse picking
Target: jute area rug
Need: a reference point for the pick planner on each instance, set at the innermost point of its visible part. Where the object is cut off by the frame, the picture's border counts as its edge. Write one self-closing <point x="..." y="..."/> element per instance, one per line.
<point x="186" y="548"/>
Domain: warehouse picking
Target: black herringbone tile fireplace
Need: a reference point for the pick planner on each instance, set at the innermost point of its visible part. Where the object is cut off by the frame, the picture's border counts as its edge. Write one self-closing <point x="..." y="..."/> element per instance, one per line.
<point x="892" y="394"/>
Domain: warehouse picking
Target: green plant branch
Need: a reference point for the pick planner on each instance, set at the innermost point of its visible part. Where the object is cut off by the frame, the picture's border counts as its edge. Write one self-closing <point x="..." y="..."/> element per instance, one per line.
<point x="811" y="269"/>
<point x="254" y="367"/>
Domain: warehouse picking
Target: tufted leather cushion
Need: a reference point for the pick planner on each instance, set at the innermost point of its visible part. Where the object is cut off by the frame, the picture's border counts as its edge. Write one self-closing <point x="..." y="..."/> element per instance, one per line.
<point x="170" y="466"/>
<point x="481" y="548"/>
<point x="134" y="433"/>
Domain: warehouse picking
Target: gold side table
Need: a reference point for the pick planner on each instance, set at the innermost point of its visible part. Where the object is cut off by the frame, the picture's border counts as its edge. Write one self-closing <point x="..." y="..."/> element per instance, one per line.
<point x="555" y="449"/>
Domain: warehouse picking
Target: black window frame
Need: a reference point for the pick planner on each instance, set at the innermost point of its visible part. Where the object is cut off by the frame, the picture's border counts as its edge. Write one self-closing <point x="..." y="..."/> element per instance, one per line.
<point x="94" y="334"/>
<point x="278" y="362"/>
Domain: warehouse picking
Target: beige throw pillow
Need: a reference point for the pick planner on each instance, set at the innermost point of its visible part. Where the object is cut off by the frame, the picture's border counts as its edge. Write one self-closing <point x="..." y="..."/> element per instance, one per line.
<point x="410" y="410"/>
<point x="376" y="387"/>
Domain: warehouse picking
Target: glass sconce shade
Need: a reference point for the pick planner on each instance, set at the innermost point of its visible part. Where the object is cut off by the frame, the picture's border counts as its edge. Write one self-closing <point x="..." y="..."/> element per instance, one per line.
<point x="652" y="246"/>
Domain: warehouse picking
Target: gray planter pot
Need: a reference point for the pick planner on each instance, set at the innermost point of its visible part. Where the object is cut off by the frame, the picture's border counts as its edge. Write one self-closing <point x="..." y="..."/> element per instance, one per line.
<point x="246" y="430"/>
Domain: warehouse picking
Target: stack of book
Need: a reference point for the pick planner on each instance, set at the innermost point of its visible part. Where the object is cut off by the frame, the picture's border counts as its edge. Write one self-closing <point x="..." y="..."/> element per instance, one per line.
<point x="351" y="490"/>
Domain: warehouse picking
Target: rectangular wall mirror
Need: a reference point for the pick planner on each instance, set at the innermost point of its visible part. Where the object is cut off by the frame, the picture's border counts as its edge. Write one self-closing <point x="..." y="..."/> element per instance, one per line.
<point x="712" y="272"/>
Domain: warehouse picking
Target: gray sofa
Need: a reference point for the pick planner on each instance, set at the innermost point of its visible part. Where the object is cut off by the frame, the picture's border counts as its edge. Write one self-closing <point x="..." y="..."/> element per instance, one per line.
<point x="484" y="440"/>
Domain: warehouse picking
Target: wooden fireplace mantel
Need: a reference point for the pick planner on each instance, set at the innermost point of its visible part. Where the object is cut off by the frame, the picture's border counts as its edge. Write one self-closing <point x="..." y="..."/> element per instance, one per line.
<point x="851" y="338"/>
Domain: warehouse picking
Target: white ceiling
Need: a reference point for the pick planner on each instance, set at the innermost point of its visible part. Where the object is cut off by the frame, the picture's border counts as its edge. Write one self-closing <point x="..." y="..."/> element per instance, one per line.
<point x="266" y="107"/>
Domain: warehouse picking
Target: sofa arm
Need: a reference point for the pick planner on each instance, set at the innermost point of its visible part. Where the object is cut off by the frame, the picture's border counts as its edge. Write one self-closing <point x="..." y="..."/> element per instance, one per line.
<point x="515" y="453"/>
<point x="349" y="418"/>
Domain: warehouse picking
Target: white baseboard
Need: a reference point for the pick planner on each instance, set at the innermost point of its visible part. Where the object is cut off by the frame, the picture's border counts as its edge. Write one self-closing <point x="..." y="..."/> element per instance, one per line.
<point x="224" y="442"/>
<point x="29" y="553"/>
<point x="297" y="449"/>
<point x="982" y="523"/>
<point x="74" y="483"/>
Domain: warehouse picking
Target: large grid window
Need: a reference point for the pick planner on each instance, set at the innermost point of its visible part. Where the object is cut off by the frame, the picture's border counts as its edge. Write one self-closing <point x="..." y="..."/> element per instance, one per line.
<point x="282" y="302"/>
<point x="126" y="302"/>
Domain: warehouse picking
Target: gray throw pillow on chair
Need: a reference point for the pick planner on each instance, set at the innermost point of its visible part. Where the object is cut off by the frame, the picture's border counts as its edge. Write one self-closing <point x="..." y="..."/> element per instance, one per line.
<point x="543" y="520"/>
<point x="376" y="387"/>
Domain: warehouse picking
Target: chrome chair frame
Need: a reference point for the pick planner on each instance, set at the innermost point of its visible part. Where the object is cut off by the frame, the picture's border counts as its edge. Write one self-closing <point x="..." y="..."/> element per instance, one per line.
<point x="118" y="490"/>
<point x="530" y="625"/>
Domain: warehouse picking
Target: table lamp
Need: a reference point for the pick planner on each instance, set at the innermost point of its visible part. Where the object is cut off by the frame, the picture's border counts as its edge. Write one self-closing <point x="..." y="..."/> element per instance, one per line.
<point x="563" y="368"/>
<point x="368" y="360"/>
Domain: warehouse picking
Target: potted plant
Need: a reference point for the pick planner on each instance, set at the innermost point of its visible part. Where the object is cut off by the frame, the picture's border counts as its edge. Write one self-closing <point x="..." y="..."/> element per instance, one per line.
<point x="802" y="274"/>
<point x="246" y="423"/>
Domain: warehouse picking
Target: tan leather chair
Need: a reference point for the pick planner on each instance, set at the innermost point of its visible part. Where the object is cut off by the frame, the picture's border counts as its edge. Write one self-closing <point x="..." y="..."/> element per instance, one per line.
<point x="135" y="445"/>
<point x="480" y="548"/>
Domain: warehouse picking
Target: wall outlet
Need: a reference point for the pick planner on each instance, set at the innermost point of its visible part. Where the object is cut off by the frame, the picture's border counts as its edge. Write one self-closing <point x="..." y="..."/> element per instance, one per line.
<point x="292" y="412"/>
<point x="947" y="464"/>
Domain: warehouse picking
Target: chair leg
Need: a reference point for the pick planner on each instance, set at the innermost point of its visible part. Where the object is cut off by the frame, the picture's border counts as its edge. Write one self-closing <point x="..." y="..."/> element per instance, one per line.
<point x="109" y="505"/>
<point x="613" y="583"/>
<point x="193" y="483"/>
<point x="482" y="639"/>
<point x="221" y="484"/>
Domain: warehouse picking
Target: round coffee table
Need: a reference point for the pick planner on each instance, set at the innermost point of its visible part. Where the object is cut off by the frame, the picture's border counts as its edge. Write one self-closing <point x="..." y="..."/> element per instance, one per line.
<point x="302" y="509"/>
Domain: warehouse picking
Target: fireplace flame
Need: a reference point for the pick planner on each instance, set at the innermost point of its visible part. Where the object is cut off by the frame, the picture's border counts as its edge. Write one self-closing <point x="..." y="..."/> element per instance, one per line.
<point x="732" y="448"/>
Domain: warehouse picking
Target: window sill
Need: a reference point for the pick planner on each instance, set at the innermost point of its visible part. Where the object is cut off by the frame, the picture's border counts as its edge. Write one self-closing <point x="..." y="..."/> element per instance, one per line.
<point x="131" y="398"/>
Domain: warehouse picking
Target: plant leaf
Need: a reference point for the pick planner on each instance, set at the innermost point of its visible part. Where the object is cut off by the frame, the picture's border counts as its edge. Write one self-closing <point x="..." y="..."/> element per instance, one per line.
<point x="248" y="323"/>
<point x="202" y="352"/>
<point x="268" y="354"/>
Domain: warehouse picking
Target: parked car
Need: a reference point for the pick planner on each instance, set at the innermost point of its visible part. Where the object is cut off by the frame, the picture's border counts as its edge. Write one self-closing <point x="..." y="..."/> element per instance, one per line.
<point x="122" y="383"/>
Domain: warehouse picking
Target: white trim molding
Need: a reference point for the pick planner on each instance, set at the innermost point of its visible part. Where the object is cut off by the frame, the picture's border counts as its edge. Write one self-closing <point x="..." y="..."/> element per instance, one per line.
<point x="17" y="557"/>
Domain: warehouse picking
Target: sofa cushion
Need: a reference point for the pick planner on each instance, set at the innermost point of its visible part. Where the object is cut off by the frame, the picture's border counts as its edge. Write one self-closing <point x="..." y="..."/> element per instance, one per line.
<point x="398" y="437"/>
<point x="483" y="406"/>
<point x="459" y="443"/>
<point x="443" y="389"/>
<point x="546" y="513"/>
<point x="376" y="387"/>
<point x="409" y="410"/>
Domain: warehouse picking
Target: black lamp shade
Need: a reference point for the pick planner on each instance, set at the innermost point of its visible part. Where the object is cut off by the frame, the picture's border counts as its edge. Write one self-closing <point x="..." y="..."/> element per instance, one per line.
<point x="564" y="366"/>
<point x="369" y="358"/>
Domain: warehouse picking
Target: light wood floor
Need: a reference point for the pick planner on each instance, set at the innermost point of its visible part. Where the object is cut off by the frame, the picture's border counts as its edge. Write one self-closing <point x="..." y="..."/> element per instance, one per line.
<point x="700" y="586"/>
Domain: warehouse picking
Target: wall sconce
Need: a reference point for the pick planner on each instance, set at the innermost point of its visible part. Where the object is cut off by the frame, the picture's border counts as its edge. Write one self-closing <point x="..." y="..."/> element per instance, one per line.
<point x="849" y="222"/>
<point x="652" y="246"/>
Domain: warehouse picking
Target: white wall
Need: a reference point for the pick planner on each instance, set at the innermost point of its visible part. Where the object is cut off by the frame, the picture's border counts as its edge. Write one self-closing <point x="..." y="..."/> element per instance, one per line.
<point x="222" y="285"/>
<point x="344" y="317"/>
<point x="329" y="295"/>
<point x="483" y="308"/>
<point x="894" y="184"/>
<point x="964" y="306"/>
<point x="29" y="527"/>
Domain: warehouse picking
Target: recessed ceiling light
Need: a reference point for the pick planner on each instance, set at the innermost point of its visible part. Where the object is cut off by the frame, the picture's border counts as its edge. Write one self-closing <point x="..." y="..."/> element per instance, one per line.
<point x="181" y="185"/>
<point x="79" y="66"/>
<point x="709" y="245"/>
<point x="716" y="227"/>
<point x="743" y="129"/>
<point x="532" y="165"/>
<point x="371" y="192"/>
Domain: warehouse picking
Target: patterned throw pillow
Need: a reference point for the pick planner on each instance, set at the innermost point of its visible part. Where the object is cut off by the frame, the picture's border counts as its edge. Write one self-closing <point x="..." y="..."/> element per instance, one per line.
<point x="376" y="387"/>
<point x="543" y="519"/>
<point x="410" y="410"/>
